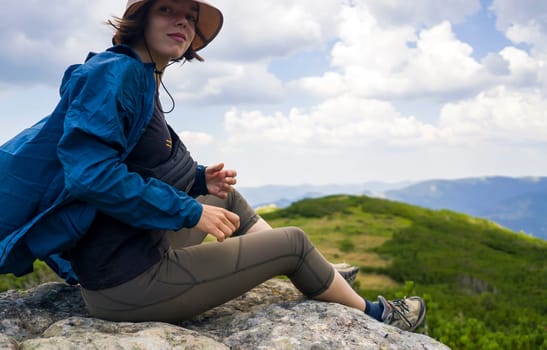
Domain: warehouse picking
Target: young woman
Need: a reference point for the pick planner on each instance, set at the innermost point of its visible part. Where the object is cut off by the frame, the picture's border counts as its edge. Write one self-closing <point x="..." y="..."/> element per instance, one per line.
<point x="120" y="195"/>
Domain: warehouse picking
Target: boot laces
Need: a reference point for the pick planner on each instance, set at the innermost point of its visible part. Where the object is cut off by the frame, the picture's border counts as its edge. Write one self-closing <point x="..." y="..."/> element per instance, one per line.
<point x="399" y="307"/>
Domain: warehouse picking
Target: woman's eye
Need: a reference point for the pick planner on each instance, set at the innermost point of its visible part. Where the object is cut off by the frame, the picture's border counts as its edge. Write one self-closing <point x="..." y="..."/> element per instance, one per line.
<point x="191" y="18"/>
<point x="166" y="10"/>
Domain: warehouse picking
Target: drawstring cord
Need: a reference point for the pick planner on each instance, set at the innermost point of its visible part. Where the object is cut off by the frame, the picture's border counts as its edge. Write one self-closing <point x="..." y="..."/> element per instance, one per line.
<point x="159" y="75"/>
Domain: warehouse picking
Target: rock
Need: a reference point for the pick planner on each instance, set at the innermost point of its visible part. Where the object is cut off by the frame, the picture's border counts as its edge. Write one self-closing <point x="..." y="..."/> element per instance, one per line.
<point x="27" y="314"/>
<point x="91" y="333"/>
<point x="274" y="315"/>
<point x="8" y="343"/>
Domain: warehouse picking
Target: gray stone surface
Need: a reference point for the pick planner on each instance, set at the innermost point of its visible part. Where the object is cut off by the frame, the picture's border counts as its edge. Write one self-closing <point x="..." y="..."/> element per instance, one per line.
<point x="272" y="316"/>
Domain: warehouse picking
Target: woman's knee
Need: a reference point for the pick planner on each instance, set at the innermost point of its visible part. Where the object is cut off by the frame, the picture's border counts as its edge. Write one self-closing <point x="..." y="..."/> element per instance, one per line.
<point x="299" y="238"/>
<point x="297" y="232"/>
<point x="313" y="273"/>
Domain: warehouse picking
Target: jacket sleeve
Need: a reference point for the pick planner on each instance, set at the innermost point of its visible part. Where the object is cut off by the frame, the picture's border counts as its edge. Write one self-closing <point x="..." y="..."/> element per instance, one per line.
<point x="200" y="184"/>
<point x="102" y="123"/>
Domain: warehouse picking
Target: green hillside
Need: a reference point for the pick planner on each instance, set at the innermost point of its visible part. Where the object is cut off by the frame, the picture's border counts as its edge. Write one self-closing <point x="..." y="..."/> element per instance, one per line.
<point x="485" y="286"/>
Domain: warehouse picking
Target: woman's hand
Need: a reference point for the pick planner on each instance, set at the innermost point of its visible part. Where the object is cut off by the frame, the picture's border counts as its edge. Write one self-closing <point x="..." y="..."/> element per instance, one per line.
<point x="218" y="222"/>
<point x="220" y="181"/>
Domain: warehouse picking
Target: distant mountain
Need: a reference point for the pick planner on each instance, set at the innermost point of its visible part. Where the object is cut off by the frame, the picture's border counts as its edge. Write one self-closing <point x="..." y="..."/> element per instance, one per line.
<point x="519" y="204"/>
<point x="516" y="203"/>
<point x="283" y="196"/>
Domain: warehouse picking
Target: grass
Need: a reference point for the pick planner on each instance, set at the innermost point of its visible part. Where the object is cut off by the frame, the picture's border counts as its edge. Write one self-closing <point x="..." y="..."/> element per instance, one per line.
<point x="475" y="275"/>
<point x="352" y="241"/>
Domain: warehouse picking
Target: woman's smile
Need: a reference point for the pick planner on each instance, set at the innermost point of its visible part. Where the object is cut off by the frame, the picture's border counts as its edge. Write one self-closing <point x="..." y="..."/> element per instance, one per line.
<point x="179" y="37"/>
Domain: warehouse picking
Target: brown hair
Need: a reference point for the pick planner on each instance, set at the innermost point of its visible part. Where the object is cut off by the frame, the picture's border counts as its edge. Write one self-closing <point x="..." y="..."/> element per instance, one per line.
<point x="130" y="28"/>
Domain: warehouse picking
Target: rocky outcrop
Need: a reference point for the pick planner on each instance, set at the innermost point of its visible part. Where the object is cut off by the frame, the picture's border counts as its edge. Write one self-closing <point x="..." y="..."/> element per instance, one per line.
<point x="271" y="316"/>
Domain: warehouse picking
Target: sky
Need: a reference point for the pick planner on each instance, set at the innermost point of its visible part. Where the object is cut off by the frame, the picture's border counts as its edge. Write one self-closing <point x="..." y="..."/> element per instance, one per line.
<point x="329" y="92"/>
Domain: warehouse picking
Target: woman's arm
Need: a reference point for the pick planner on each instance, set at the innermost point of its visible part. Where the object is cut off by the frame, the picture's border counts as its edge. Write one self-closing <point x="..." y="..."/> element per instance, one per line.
<point x="104" y="118"/>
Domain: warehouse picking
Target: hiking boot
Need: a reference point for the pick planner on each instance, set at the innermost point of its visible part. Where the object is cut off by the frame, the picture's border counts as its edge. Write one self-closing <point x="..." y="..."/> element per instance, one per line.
<point x="349" y="272"/>
<point x="406" y="314"/>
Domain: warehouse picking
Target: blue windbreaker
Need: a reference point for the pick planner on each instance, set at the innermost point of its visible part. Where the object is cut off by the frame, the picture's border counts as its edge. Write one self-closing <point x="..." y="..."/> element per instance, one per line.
<point x="55" y="175"/>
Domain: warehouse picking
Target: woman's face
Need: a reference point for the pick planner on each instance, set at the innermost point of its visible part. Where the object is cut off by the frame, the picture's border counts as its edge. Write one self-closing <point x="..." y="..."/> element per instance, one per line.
<point x="170" y="30"/>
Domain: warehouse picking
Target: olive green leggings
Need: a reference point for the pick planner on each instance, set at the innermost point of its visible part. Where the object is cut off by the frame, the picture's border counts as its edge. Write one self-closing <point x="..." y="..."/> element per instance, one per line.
<point x="193" y="277"/>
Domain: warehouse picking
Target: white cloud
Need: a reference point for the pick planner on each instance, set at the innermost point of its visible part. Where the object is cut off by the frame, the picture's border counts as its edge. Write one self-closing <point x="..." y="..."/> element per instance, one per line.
<point x="256" y="30"/>
<point x="344" y="121"/>
<point x="374" y="63"/>
<point x="418" y="12"/>
<point x="523" y="21"/>
<point x="397" y="62"/>
<point x="496" y="64"/>
<point x="509" y="12"/>
<point x="501" y="114"/>
<point x="442" y="63"/>
<point x="363" y="41"/>
<point x="40" y="39"/>
<point x="523" y="67"/>
<point x="227" y="83"/>
<point x="384" y="56"/>
<point x="530" y="33"/>
<point x="196" y="138"/>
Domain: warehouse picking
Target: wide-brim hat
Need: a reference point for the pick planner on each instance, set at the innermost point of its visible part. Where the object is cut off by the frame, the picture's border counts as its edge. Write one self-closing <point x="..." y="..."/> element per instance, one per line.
<point x="208" y="25"/>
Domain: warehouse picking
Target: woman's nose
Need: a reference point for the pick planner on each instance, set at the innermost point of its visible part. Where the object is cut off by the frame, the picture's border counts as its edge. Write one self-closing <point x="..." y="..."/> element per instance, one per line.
<point x="182" y="21"/>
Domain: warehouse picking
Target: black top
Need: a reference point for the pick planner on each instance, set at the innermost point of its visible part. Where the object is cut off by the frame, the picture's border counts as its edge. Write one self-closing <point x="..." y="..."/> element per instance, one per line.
<point x="113" y="252"/>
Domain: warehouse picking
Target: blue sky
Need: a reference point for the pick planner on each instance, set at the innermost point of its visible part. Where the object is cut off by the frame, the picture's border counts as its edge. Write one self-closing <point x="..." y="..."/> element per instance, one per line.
<point x="332" y="92"/>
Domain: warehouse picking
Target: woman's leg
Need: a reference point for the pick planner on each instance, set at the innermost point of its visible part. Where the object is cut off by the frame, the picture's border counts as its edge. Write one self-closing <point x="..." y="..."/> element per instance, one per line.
<point x="192" y="280"/>
<point x="259" y="226"/>
<point x="341" y="292"/>
<point x="253" y="223"/>
<point x="406" y="314"/>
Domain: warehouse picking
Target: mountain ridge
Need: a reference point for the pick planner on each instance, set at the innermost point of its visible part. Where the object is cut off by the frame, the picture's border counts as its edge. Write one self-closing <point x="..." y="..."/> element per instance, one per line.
<point x="518" y="203"/>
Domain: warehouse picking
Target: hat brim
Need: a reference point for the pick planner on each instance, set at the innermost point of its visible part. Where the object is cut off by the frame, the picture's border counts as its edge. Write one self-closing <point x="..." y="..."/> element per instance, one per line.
<point x="209" y="23"/>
